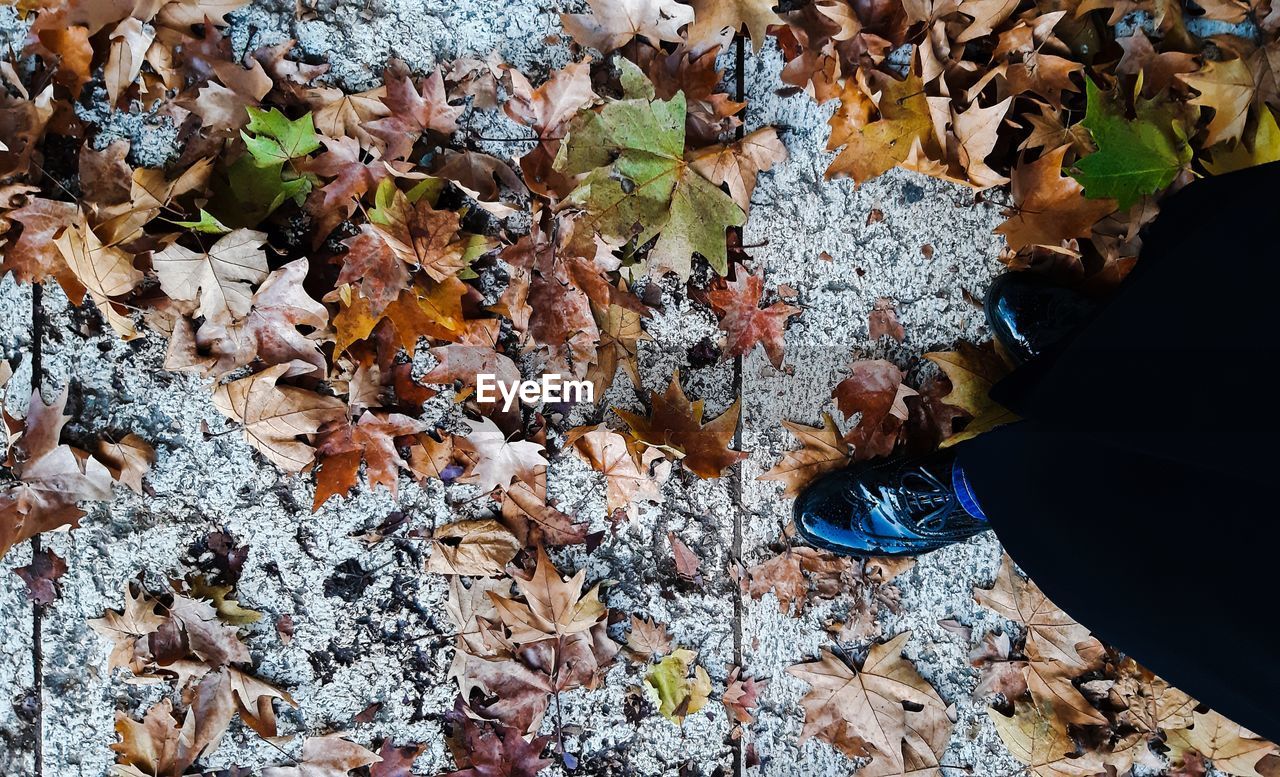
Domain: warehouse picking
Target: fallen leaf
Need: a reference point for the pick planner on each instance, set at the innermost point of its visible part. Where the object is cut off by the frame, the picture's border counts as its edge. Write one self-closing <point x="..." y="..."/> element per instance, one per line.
<point x="675" y="423"/>
<point x="273" y="417"/>
<point x="481" y="547"/>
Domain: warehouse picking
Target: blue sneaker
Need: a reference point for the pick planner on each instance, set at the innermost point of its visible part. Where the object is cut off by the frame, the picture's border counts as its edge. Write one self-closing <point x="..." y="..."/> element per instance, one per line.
<point x="895" y="507"/>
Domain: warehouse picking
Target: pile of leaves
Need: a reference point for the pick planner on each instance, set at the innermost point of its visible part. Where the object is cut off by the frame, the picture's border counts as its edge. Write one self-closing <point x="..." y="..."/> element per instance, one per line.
<point x="330" y="262"/>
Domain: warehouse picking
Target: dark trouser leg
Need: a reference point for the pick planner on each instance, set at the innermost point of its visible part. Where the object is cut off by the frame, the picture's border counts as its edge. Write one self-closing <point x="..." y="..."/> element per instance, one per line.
<point x="1176" y="565"/>
<point x="1139" y="494"/>
<point x="1172" y="366"/>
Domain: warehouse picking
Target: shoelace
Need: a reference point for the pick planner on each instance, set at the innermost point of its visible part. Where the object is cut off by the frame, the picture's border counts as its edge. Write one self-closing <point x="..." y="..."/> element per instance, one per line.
<point x="932" y="504"/>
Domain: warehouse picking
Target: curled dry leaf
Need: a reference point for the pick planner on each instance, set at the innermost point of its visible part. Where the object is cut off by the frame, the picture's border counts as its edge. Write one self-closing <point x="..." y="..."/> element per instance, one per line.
<point x="482" y="548"/>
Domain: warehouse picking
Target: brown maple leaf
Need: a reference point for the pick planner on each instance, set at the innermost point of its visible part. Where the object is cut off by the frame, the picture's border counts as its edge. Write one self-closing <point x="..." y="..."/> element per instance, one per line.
<point x="487" y="749"/>
<point x="412" y="109"/>
<point x="41" y="576"/>
<point x="675" y="425"/>
<point x="715" y="22"/>
<point x="613" y="23"/>
<point x="745" y="323"/>
<point x="973" y="370"/>
<point x="342" y="445"/>
<point x="547" y="110"/>
<point x="742" y="695"/>
<point x="50" y="477"/>
<point x="552" y="606"/>
<point x="1052" y="635"/>
<point x="1050" y="210"/>
<point x="869" y="713"/>
<point x="273" y="417"/>
<point x="627" y="482"/>
<point x="1037" y="738"/>
<point x="327" y="756"/>
<point x="824" y="449"/>
<point x="874" y="389"/>
<point x="648" y="639"/>
<point x="1228" y="746"/>
<point x="481" y="548"/>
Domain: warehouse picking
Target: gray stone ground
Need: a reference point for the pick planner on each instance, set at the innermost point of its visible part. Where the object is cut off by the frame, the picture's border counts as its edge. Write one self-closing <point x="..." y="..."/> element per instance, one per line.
<point x="388" y="643"/>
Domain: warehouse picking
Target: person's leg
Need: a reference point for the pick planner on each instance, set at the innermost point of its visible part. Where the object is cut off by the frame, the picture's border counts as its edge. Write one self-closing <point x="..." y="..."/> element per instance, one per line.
<point x="1166" y="561"/>
<point x="1166" y="368"/>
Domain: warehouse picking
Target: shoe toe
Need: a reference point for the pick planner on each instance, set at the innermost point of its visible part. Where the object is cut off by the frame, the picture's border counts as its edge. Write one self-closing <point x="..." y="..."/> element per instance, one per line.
<point x="824" y="516"/>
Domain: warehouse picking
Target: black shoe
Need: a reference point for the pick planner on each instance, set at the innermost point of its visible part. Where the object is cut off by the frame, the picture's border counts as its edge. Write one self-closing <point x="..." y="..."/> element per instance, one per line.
<point x="1029" y="315"/>
<point x="898" y="507"/>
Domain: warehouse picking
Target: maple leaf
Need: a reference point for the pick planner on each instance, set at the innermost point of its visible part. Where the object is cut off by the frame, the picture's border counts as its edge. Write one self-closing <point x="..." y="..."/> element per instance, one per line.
<point x="277" y="139"/>
<point x="882" y="321"/>
<point x="553" y="606"/>
<point x="1051" y="633"/>
<point x="128" y="459"/>
<point x="1150" y="704"/>
<point x="1228" y="88"/>
<point x="1134" y="157"/>
<point x="869" y="148"/>
<point x="41" y="576"/>
<point x="741" y="696"/>
<point x="155" y="745"/>
<point x="648" y="639"/>
<point x="341" y="446"/>
<point x="1230" y="747"/>
<point x="745" y="323"/>
<point x="104" y="271"/>
<point x="485" y="749"/>
<point x="676" y="692"/>
<point x="220" y="278"/>
<point x="482" y="548"/>
<point x="783" y="577"/>
<point x="627" y="482"/>
<point x="1040" y="740"/>
<point x="326" y="756"/>
<point x="613" y="23"/>
<point x="874" y="389"/>
<point x="33" y="256"/>
<point x="972" y="372"/>
<point x="337" y="114"/>
<point x="397" y="760"/>
<point x="1260" y="146"/>
<point x="864" y="713"/>
<point x="50" y="478"/>
<point x="548" y="110"/>
<point x="412" y="109"/>
<point x="526" y="512"/>
<point x="1158" y="69"/>
<point x="687" y="562"/>
<point x="498" y="461"/>
<point x="273" y="416"/>
<point x="675" y="424"/>
<point x="715" y="22"/>
<point x="975" y="135"/>
<point x="824" y="449"/>
<point x="270" y="332"/>
<point x="125" y="628"/>
<point x="1050" y="209"/>
<point x="423" y="236"/>
<point x="740" y="163"/>
<point x="987" y="15"/>
<point x="637" y="184"/>
<point x="1000" y="673"/>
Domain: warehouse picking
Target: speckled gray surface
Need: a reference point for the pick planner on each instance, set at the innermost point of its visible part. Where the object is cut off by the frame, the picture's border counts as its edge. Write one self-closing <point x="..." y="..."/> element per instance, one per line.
<point x="387" y="643"/>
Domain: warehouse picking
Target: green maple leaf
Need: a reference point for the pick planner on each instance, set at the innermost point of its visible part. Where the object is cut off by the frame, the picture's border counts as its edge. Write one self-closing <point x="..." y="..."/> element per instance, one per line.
<point x="1135" y="157"/>
<point x="638" y="185"/>
<point x="276" y="139"/>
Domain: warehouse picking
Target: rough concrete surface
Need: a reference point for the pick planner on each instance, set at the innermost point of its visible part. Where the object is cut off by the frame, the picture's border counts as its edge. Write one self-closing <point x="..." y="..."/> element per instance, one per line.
<point x="387" y="641"/>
